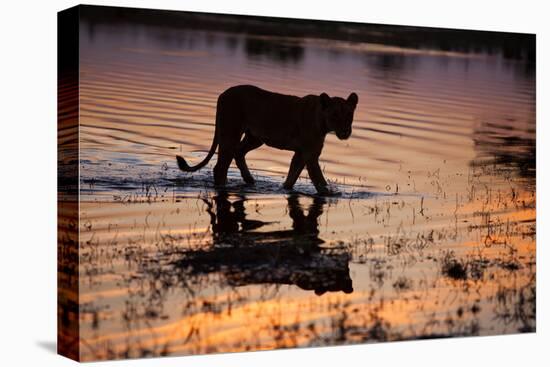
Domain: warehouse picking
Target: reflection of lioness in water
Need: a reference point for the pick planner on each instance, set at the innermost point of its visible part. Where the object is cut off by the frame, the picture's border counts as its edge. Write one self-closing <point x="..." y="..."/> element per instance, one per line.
<point x="281" y="121"/>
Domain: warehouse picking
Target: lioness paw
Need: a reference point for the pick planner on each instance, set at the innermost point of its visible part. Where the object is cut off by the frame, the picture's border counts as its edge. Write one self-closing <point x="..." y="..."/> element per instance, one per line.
<point x="287" y="186"/>
<point x="327" y="191"/>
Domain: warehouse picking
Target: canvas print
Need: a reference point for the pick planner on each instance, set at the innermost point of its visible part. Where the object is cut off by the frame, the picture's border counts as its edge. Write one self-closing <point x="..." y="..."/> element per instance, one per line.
<point x="238" y="183"/>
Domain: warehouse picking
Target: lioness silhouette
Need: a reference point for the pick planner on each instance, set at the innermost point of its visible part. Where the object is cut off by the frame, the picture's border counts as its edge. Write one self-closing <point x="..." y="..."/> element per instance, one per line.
<point x="298" y="124"/>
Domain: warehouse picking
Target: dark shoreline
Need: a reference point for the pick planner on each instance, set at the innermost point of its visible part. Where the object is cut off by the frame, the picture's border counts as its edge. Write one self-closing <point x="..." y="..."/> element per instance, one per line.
<point x="516" y="46"/>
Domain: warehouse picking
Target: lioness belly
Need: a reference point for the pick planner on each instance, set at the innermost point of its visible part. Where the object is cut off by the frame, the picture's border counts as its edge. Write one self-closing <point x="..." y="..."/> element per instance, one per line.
<point x="275" y="143"/>
<point x="276" y="139"/>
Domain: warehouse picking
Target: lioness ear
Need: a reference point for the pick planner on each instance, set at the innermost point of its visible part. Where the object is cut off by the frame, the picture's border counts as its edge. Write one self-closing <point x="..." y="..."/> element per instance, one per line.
<point x="325" y="100"/>
<point x="353" y="99"/>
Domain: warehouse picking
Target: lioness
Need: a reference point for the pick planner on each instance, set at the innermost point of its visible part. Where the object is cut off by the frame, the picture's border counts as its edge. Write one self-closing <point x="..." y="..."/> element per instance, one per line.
<point x="299" y="124"/>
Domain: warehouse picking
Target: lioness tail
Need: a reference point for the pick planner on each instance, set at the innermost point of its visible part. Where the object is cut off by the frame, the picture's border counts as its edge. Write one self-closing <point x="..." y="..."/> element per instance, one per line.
<point x="182" y="164"/>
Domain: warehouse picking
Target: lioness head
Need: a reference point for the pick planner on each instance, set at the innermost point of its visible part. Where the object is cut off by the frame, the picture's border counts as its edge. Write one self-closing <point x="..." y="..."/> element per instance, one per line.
<point x="338" y="114"/>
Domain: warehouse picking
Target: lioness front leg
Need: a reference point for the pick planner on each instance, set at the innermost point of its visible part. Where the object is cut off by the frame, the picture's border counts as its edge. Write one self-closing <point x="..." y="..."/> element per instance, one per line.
<point x="316" y="176"/>
<point x="296" y="166"/>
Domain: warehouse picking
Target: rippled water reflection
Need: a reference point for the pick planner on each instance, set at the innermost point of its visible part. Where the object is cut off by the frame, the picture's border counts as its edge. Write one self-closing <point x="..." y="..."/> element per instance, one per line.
<point x="433" y="236"/>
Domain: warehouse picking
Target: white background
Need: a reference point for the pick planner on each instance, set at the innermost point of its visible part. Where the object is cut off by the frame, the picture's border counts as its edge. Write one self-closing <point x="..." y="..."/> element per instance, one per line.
<point x="28" y="181"/>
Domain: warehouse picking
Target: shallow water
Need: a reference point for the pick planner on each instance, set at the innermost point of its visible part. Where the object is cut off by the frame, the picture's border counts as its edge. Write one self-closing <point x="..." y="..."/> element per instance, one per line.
<point x="433" y="234"/>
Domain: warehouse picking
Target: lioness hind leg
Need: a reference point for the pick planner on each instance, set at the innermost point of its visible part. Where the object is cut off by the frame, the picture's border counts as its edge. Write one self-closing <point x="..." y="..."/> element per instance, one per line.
<point x="296" y="166"/>
<point x="220" y="169"/>
<point x="226" y="152"/>
<point x="248" y="143"/>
